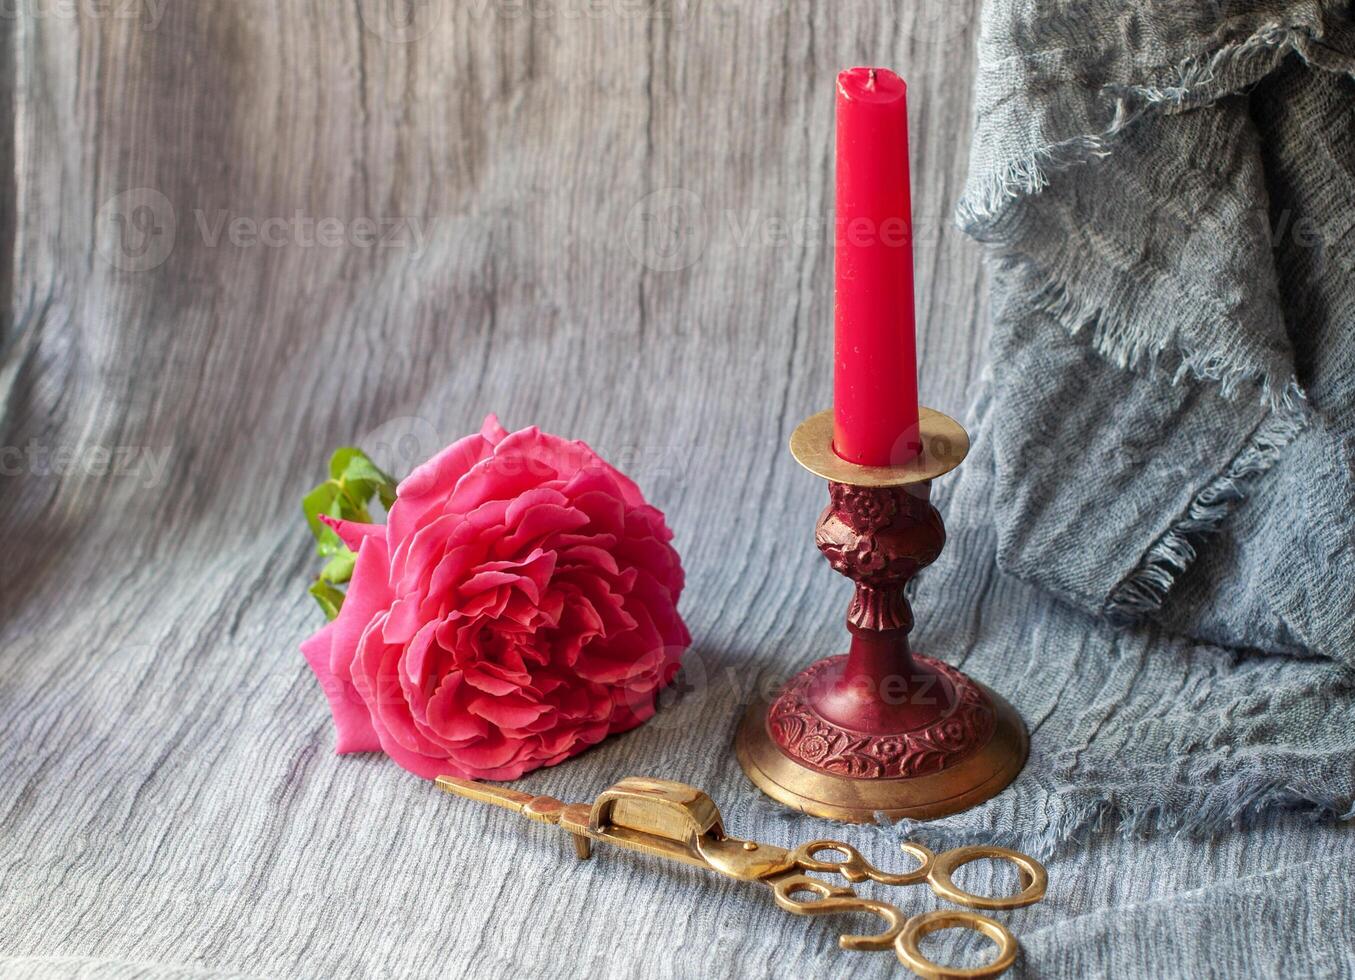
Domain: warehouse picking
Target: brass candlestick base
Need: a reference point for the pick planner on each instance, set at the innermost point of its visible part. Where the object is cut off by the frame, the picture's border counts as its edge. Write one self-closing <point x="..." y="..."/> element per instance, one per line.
<point x="881" y="730"/>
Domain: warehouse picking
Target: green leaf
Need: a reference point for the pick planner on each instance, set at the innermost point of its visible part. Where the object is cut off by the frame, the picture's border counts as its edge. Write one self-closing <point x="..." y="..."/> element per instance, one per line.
<point x="351" y="506"/>
<point x="353" y="481"/>
<point x="330" y="598"/>
<point x="339" y="569"/>
<point x="354" y="464"/>
<point x="361" y="478"/>
<point x="340" y="460"/>
<point x="317" y="502"/>
<point x="324" y="499"/>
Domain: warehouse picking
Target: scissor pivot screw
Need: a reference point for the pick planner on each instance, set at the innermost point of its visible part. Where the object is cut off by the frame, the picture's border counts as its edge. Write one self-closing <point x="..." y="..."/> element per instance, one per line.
<point x="750" y="845"/>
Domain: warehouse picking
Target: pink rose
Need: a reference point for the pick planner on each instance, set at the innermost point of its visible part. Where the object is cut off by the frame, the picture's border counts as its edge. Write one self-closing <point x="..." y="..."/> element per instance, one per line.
<point x="518" y="606"/>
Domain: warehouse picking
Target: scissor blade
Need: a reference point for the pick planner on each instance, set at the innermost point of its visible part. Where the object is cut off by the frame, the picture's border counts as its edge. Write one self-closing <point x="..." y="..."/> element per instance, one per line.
<point x="509" y="799"/>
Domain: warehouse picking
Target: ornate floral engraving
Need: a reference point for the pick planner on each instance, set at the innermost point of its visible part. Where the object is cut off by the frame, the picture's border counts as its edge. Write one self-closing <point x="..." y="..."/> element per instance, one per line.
<point x="807" y="736"/>
<point x="879" y="537"/>
<point x="866" y="509"/>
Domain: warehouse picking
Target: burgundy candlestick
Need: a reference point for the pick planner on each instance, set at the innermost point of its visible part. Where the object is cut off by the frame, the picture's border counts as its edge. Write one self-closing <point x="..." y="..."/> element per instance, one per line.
<point x="881" y="729"/>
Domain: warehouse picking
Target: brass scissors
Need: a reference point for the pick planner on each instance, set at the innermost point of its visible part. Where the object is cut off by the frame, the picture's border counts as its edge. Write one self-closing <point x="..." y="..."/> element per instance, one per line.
<point x="681" y="823"/>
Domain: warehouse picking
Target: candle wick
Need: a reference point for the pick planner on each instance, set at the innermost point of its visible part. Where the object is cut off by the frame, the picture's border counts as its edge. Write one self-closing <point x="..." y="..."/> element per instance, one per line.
<point x="871" y="83"/>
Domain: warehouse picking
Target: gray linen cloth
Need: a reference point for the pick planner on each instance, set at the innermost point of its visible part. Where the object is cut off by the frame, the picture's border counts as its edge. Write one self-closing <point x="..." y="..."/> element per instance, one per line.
<point x="1172" y="184"/>
<point x="170" y="806"/>
<point x="1168" y="431"/>
<point x="1164" y="473"/>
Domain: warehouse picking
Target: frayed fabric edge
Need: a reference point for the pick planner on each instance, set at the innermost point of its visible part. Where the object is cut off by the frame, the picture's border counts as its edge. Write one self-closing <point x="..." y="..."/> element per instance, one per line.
<point x="1200" y="81"/>
<point x="1126" y="345"/>
<point x="1229" y="806"/>
<point x="1145" y="589"/>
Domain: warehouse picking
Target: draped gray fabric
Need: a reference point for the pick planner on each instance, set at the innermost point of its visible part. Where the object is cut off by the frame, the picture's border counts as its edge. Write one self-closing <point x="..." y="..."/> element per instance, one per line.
<point x="1168" y="436"/>
<point x="1174" y="184"/>
<point x="240" y="233"/>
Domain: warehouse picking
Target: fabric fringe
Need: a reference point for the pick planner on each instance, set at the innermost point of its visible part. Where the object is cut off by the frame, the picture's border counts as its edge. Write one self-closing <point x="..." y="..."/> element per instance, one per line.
<point x="1145" y="589"/>
<point x="1127" y="343"/>
<point x="1200" y="81"/>
<point x="1027" y="177"/>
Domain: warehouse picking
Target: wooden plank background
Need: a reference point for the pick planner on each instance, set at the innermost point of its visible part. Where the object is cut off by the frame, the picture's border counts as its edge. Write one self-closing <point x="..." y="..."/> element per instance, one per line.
<point x="240" y="233"/>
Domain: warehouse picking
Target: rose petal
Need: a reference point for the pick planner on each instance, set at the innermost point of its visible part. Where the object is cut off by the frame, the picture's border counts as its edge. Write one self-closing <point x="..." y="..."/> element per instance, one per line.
<point x="502" y="476"/>
<point x="447" y="714"/>
<point x="606" y="513"/>
<point x="492" y="751"/>
<point x="386" y="696"/>
<point x="415" y="560"/>
<point x="351" y="533"/>
<point x="530" y="575"/>
<point x="493" y="679"/>
<point x="368" y="595"/>
<point x="491" y="431"/>
<point x="403" y="621"/>
<point x="352" y="722"/>
<point x="416" y="663"/>
<point x="508" y="711"/>
<point x="587" y="554"/>
<point x="427" y="487"/>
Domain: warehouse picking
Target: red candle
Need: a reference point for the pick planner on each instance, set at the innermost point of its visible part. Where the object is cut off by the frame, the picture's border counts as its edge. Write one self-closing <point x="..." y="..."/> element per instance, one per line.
<point x="875" y="417"/>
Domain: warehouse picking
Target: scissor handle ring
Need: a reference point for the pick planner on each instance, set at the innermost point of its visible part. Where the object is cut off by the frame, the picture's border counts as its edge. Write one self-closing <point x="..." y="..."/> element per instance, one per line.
<point x="1033" y="877"/>
<point x="855" y="868"/>
<point x="836" y="898"/>
<point x="906" y="945"/>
